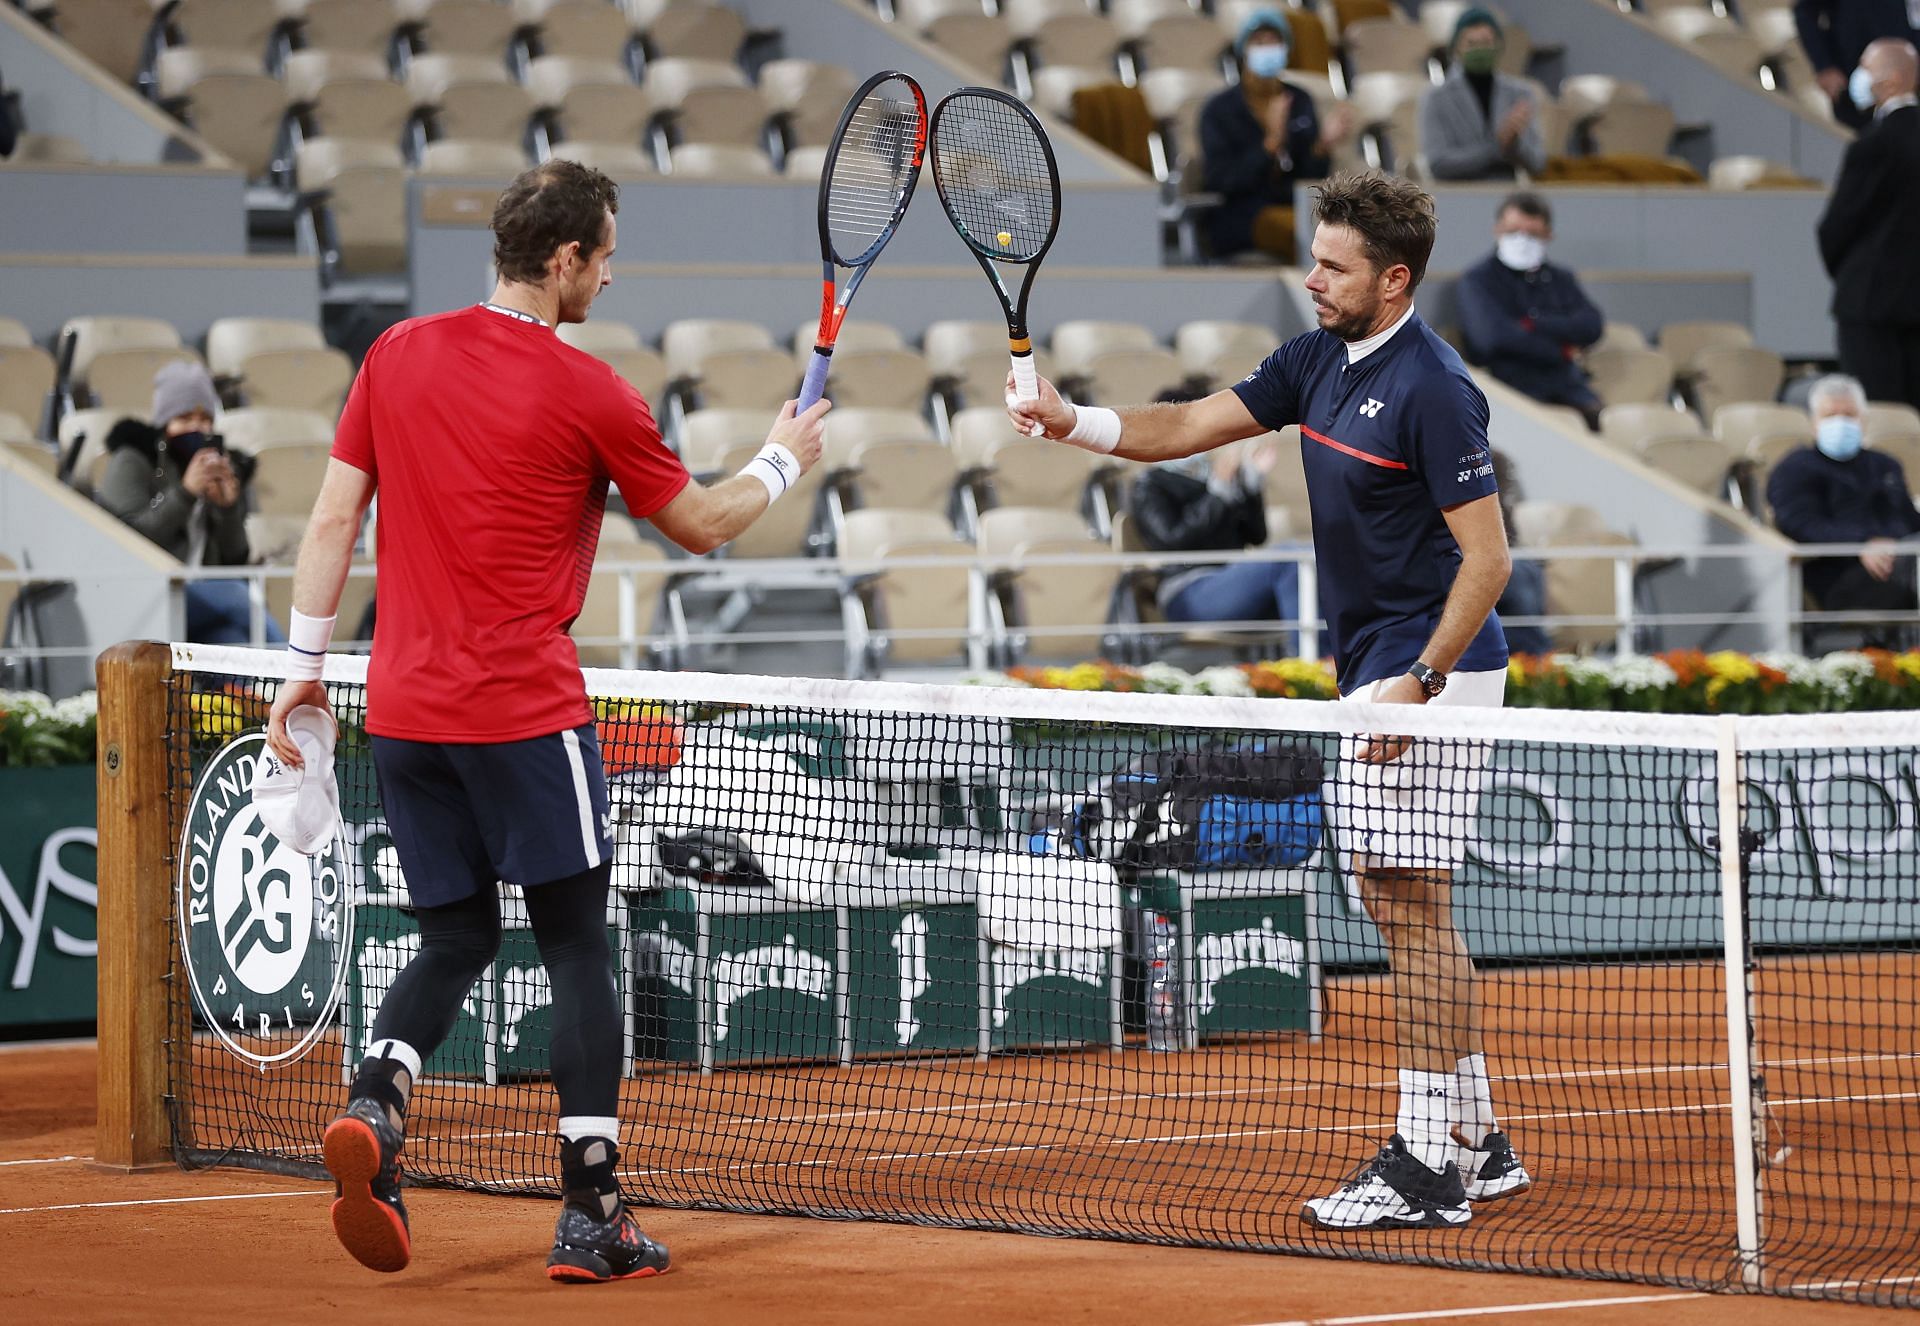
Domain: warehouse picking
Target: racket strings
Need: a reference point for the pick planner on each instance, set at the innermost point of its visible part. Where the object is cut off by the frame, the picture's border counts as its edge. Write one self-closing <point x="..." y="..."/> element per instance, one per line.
<point x="873" y="170"/>
<point x="995" y="177"/>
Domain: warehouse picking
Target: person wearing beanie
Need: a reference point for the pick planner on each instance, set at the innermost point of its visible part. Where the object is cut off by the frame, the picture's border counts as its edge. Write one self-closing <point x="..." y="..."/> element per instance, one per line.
<point x="176" y="482"/>
<point x="1480" y="124"/>
<point x="1256" y="139"/>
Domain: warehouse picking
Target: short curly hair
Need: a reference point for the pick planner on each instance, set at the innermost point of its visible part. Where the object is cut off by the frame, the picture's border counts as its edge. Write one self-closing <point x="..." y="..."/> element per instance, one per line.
<point x="1393" y="217"/>
<point x="546" y="208"/>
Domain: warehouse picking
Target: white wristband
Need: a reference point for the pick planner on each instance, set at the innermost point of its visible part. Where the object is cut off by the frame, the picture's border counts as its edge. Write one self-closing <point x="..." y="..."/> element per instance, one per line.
<point x="776" y="468"/>
<point x="1095" y="428"/>
<point x="307" y="640"/>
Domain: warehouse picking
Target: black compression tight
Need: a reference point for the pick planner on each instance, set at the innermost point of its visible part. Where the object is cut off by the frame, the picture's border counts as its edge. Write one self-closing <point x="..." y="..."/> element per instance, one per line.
<point x="457" y="942"/>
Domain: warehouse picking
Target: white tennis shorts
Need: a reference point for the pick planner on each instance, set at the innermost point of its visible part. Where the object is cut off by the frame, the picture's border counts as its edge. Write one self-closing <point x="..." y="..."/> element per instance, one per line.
<point x="1417" y="812"/>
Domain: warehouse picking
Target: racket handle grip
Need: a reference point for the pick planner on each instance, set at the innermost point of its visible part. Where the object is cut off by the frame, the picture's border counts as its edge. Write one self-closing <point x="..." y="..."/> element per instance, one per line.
<point x="815" y="384"/>
<point x="1026" y="384"/>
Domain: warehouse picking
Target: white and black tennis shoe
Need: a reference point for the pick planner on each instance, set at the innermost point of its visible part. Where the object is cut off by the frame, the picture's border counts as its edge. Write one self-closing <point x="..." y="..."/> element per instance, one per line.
<point x="1394" y="1191"/>
<point x="1492" y="1170"/>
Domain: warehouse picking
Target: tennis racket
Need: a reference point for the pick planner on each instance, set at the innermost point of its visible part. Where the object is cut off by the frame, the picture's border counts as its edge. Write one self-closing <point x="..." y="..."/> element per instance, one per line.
<point x="865" y="186"/>
<point x="1000" y="187"/>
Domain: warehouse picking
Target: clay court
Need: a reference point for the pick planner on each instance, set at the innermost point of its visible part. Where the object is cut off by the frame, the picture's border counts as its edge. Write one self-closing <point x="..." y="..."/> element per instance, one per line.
<point x="1210" y="1149"/>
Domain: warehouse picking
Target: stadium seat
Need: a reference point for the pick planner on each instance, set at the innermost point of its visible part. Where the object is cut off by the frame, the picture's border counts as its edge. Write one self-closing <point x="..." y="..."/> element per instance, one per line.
<point x="1629" y="426"/>
<point x="264" y="428"/>
<point x="1223" y="352"/>
<point x="730" y="363"/>
<point x="805" y="163"/>
<point x="1702" y="463"/>
<point x="469" y="96"/>
<point x="707" y="435"/>
<point x="32" y="148"/>
<point x="1055" y="84"/>
<point x="1740" y="424"/>
<point x="465" y="27"/>
<point x="1587" y="95"/>
<point x="1062" y="31"/>
<point x="688" y="342"/>
<point x="115" y="358"/>
<point x="1346" y="13"/>
<point x="111" y="33"/>
<point x="902" y="614"/>
<point x="643" y="369"/>
<point x="26" y="376"/>
<point x="230" y="341"/>
<point x="474" y="159"/>
<point x="1001" y="467"/>
<point x="623" y="161"/>
<point x="1576" y="587"/>
<point x="1131" y="377"/>
<point x="600" y="611"/>
<point x="226" y="98"/>
<point x="1750" y="172"/>
<point x="1722" y="374"/>
<point x="1285" y="484"/>
<point x="683" y="30"/>
<point x="1623" y="375"/>
<point x="1761" y="455"/>
<point x="707" y="101"/>
<point x="1170" y="36"/>
<point x="970" y="361"/>
<point x="14" y="332"/>
<point x="807" y="96"/>
<point x="1386" y="46"/>
<point x="718" y="161"/>
<point x="847" y="430"/>
<point x="1051" y="611"/>
<point x="286" y="478"/>
<point x="241" y="26"/>
<point x="87" y="431"/>
<point x="906" y="474"/>
<point x="1076" y="342"/>
<point x="347" y="94"/>
<point x="594" y="98"/>
<point x="17" y="440"/>
<point x="296" y="378"/>
<point x="855" y="334"/>
<point x="275" y="541"/>
<point x="974" y="39"/>
<point x="591" y="29"/>
<point x="882" y="379"/>
<point x="365" y="202"/>
<point x="1620" y="336"/>
<point x="1683" y="340"/>
<point x="1719" y="41"/>
<point x="1168" y="90"/>
<point x="1640" y="128"/>
<point x="1887" y="418"/>
<point x="348" y="25"/>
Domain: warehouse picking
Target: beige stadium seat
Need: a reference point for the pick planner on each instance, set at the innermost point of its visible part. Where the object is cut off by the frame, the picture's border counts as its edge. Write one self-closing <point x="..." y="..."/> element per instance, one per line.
<point x="88" y="430"/>
<point x="981" y="377"/>
<point x="1224" y="352"/>
<point x="1006" y="532"/>
<point x="719" y="161"/>
<point x="1062" y="31"/>
<point x="287" y="478"/>
<point x="852" y="428"/>
<point x="1343" y="14"/>
<point x="977" y="432"/>
<point x="1748" y="172"/>
<point x="1721" y="42"/>
<point x="784" y="528"/>
<point x="1887" y="418"/>
<point x="243" y="26"/>
<point x="906" y="475"/>
<point x="1905" y="448"/>
<point x="1683" y="340"/>
<point x="920" y="14"/>
<point x="103" y="334"/>
<point x="747" y="379"/>
<point x="1627" y="376"/>
<point x="230" y="341"/>
<point x="347" y="94"/>
<point x="26" y="376"/>
<point x="1742" y="423"/>
<point x="707" y="102"/>
<point x="470" y="96"/>
<point x="1587" y="95"/>
<point x="111" y="33"/>
<point x="1055" y="84"/>
<point x="14" y="332"/>
<point x="1576" y="587"/>
<point x="643" y="369"/>
<point x="355" y="593"/>
<point x="298" y="379"/>
<point x="1773" y="28"/>
<point x="1620" y="336"/>
<point x="1174" y="40"/>
<point x="1701" y="463"/>
<point x="1380" y="95"/>
<point x="1168" y="91"/>
<point x="623" y="161"/>
<point x="1628" y="426"/>
<point x="590" y="28"/>
<point x="1131" y="377"/>
<point x="366" y="202"/>
<point x="855" y="334"/>
<point x="1057" y="611"/>
<point x="805" y="162"/>
<point x="689" y="29"/>
<point x="1285" y="485"/>
<point x="21" y="446"/>
<point x="473" y="159"/>
<point x="688" y="343"/>
<point x="264" y="428"/>
<point x="598" y="335"/>
<point x="1076" y="342"/>
<point x="884" y="379"/>
<point x="1722" y="374"/>
<point x="977" y="41"/>
<point x="1008" y="469"/>
<point x="275" y="541"/>
<point x="903" y="614"/>
<point x="949" y="342"/>
<point x="707" y="435"/>
<point x="227" y="100"/>
<point x="600" y="612"/>
<point x="348" y="25"/>
<point x="1642" y="128"/>
<point x="123" y="379"/>
<point x="465" y="27"/>
<point x="594" y="98"/>
<point x="48" y="148"/>
<point x="1761" y="455"/>
<point x="1386" y="46"/>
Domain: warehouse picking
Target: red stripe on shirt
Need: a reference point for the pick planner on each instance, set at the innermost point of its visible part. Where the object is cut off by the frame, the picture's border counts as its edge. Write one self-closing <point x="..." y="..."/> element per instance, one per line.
<point x="1326" y="441"/>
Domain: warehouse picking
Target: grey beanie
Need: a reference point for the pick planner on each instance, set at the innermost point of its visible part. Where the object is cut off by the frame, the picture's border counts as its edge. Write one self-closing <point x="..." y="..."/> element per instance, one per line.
<point x="180" y="388"/>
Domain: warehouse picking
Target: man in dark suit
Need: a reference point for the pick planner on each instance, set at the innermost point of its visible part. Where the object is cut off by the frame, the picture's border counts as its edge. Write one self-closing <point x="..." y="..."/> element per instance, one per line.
<point x="1867" y="234"/>
<point x="1835" y="33"/>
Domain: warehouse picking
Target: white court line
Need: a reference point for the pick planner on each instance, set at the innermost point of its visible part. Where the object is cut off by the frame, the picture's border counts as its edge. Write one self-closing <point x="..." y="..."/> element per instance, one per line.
<point x="166" y="1201"/>
<point x="49" y="1160"/>
<point x="1498" y="1310"/>
<point x="1854" y="1284"/>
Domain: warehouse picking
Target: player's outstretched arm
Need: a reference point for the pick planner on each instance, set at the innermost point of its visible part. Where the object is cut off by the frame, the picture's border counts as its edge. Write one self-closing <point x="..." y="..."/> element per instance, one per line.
<point x="1140" y="432"/>
<point x="326" y="551"/>
<point x="705" y="516"/>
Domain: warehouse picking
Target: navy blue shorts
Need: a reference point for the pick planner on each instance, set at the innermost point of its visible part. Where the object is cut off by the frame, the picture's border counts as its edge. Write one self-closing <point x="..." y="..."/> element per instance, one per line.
<point x="518" y="812"/>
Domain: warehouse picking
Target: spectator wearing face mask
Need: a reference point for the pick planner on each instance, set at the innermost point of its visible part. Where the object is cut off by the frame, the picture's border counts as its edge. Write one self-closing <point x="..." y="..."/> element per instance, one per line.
<point x="176" y="482"/>
<point x="1524" y="319"/>
<point x="1867" y="235"/>
<point x="1258" y="138"/>
<point x="1480" y="124"/>
<point x="1836" y="492"/>
<point x="1836" y="33"/>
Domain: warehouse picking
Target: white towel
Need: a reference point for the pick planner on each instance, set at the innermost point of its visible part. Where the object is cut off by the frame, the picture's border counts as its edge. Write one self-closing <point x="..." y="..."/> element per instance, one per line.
<point x="301" y="807"/>
<point x="1049" y="902"/>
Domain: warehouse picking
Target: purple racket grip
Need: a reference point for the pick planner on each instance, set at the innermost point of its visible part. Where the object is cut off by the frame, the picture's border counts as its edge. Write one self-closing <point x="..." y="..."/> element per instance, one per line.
<point x="815" y="384"/>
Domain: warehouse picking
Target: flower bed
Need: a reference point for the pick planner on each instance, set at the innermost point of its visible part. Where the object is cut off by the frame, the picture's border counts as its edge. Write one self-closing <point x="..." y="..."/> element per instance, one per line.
<point x="38" y="732"/>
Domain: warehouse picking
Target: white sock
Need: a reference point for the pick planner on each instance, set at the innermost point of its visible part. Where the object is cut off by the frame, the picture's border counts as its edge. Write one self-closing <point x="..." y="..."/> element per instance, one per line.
<point x="579" y="1127"/>
<point x="1426" y="1113"/>
<point x="399" y="1051"/>
<point x="1473" y="1108"/>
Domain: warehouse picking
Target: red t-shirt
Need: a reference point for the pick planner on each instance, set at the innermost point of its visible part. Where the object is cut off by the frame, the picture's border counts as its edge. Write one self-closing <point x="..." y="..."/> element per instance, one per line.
<point x="491" y="442"/>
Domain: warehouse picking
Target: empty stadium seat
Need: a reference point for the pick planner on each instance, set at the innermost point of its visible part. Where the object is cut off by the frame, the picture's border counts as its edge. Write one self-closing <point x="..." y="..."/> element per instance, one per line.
<point x="970" y="359"/>
<point x="39" y="147"/>
<point x="592" y="29"/>
<point x="83" y="434"/>
<point x="974" y="39"/>
<point x="1004" y="468"/>
<point x="265" y="428"/>
<point x="855" y="334"/>
<point x="1223" y="352"/>
<point x="227" y="99"/>
<point x="903" y="473"/>
<point x="623" y="161"/>
<point x="1742" y="423"/>
<point x="1642" y="128"/>
<point x="688" y="29"/>
<point x="1576" y="587"/>
<point x="26" y="376"/>
<point x="474" y="159"/>
<point x="594" y="98"/>
<point x="1062" y="31"/>
<point x="808" y="96"/>
<point x="469" y="96"/>
<point x="364" y="207"/>
<point x="1719" y="41"/>
<point x="347" y="94"/>
<point x="1627" y="426"/>
<point x="1683" y="340"/>
<point x="465" y="27"/>
<point x="848" y="429"/>
<point x="1054" y="86"/>
<point x="718" y="161"/>
<point x="1721" y="374"/>
<point x="601" y="611"/>
<point x="1052" y="611"/>
<point x="17" y="440"/>
<point x="1750" y="172"/>
<point x="806" y="162"/>
<point x="1075" y="342"/>
<point x="1131" y="377"/>
<point x="115" y="358"/>
<point x="286" y="478"/>
<point x="241" y="26"/>
<point x="348" y="25"/>
<point x="1387" y="46"/>
<point x="618" y="346"/>
<point x="903" y="614"/>
<point x="707" y="101"/>
<point x="1620" y="336"/>
<point x="1624" y="375"/>
<point x="1887" y="418"/>
<point x="887" y="379"/>
<point x="1169" y="34"/>
<point x="279" y="362"/>
<point x="708" y="434"/>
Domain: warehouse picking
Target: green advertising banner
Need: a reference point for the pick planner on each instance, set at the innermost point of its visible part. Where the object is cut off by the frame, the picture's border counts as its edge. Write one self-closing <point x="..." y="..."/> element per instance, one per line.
<point x="47" y="896"/>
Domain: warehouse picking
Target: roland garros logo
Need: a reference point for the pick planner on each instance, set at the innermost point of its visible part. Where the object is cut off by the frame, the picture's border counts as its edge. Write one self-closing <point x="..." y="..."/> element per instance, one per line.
<point x="265" y="931"/>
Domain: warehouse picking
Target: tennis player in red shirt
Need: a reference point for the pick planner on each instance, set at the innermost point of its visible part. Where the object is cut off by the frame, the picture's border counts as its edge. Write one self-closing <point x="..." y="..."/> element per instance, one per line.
<point x="492" y="443"/>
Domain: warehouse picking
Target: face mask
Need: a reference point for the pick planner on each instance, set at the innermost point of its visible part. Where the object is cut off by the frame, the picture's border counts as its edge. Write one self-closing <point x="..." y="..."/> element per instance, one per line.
<point x="1266" y="61"/>
<point x="1520" y="251"/>
<point x="1198" y="468"/>
<point x="1480" y="60"/>
<point x="1838" y="437"/>
<point x="1860" y="89"/>
<point x="183" y="446"/>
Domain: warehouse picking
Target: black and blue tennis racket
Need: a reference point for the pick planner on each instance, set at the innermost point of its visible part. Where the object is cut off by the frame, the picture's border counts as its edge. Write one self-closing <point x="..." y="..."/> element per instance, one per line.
<point x="1000" y="187"/>
<point x="865" y="186"/>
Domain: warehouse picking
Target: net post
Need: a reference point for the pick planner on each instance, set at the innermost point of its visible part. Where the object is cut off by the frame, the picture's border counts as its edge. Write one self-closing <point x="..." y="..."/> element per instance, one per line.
<point x="137" y="1027"/>
<point x="1733" y="925"/>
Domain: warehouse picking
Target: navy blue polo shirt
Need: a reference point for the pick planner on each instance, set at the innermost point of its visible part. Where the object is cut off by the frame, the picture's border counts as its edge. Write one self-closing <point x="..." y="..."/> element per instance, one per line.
<point x="1389" y="443"/>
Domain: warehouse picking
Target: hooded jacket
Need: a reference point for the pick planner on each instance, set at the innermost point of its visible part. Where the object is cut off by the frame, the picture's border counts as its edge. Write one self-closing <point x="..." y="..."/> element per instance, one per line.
<point x="143" y="485"/>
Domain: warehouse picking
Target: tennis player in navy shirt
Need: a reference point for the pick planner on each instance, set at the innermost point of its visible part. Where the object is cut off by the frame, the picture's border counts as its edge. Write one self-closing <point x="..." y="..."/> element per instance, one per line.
<point x="1411" y="556"/>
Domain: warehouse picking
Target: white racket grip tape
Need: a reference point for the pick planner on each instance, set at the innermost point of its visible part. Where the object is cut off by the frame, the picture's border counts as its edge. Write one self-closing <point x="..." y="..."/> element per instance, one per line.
<point x="1026" y="386"/>
<point x="776" y="468"/>
<point x="307" y="641"/>
<point x="1095" y="428"/>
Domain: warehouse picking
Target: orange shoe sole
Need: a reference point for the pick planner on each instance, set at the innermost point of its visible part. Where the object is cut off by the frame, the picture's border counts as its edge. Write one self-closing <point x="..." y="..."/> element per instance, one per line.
<point x="573" y="1275"/>
<point x="366" y="1226"/>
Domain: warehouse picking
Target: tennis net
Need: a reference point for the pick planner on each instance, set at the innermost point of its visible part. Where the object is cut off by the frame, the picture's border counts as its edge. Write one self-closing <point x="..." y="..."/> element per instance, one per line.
<point x="1097" y="965"/>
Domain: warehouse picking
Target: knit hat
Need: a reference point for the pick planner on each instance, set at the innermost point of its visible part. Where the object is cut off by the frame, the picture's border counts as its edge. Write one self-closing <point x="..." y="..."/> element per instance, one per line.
<point x="1476" y="17"/>
<point x="1262" y="20"/>
<point x="182" y="387"/>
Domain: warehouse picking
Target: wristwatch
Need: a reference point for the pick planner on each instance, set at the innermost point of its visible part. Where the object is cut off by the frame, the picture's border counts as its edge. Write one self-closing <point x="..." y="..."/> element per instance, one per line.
<point x="1432" y="680"/>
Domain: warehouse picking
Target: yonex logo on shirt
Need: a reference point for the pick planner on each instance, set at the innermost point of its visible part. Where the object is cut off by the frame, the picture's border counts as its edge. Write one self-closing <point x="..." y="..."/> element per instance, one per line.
<point x="1372" y="407"/>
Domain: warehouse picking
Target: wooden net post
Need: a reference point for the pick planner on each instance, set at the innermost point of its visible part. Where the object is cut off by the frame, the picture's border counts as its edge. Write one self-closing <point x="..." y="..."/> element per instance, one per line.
<point x="136" y="833"/>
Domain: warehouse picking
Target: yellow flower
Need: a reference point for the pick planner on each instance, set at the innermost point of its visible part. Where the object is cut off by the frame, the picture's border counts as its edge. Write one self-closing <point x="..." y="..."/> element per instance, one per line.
<point x="1516" y="675"/>
<point x="1730" y="666"/>
<point x="1715" y="689"/>
<point x="1908" y="665"/>
<point x="1084" y="677"/>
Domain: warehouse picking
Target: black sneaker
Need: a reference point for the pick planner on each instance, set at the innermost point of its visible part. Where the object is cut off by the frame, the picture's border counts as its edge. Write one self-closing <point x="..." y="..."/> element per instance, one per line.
<point x="591" y="1249"/>
<point x="1493" y="1170"/>
<point x="362" y="1150"/>
<point x="1394" y="1191"/>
